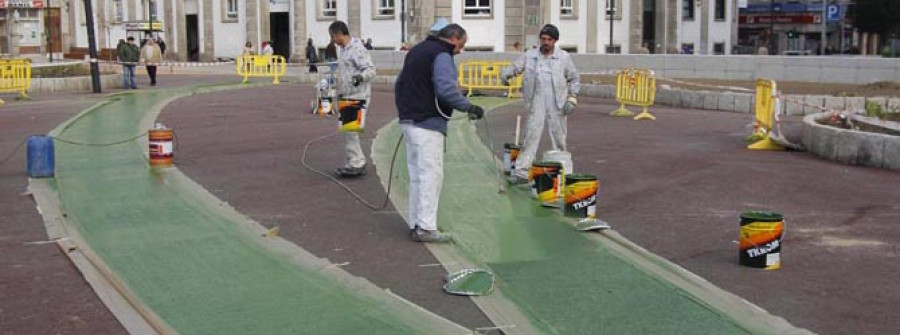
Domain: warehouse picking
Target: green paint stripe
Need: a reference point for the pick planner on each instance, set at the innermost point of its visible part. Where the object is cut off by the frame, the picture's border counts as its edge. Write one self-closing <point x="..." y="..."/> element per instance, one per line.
<point x="565" y="282"/>
<point x="194" y="264"/>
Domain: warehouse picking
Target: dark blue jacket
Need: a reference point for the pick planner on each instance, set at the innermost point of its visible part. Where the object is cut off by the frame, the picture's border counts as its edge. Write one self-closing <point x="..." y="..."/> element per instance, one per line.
<point x="422" y="85"/>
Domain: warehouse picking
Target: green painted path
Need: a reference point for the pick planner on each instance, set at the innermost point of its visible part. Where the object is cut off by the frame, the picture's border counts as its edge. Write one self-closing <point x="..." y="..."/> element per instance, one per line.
<point x="562" y="280"/>
<point x="200" y="266"/>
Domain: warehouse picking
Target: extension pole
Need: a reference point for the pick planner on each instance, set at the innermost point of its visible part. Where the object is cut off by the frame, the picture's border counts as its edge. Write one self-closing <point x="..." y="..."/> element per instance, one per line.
<point x="518" y="124"/>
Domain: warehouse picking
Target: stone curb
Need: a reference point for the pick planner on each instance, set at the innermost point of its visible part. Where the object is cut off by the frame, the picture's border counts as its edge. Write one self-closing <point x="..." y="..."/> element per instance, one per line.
<point x="850" y="146"/>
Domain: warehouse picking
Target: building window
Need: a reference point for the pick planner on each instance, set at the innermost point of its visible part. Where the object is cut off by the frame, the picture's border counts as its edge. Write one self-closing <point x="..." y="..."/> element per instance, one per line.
<point x="718" y="48"/>
<point x="616" y="9"/>
<point x="565" y="8"/>
<point x="687" y="48"/>
<point x="151" y="7"/>
<point x="328" y="9"/>
<point x="687" y="10"/>
<point x="384" y="8"/>
<point x="720" y="10"/>
<point x="119" y="15"/>
<point x="480" y="8"/>
<point x="231" y="8"/>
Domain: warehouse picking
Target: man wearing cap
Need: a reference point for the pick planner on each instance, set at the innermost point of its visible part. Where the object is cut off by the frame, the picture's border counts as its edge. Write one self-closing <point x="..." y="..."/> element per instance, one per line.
<point x="550" y="85"/>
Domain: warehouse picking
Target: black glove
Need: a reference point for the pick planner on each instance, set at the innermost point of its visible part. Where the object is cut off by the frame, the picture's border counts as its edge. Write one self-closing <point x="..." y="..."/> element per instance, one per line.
<point x="569" y="106"/>
<point x="475" y="112"/>
<point x="356" y="80"/>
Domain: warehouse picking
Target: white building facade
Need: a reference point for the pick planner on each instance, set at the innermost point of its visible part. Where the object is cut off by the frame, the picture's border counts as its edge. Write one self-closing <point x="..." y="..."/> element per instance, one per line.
<point x="206" y="30"/>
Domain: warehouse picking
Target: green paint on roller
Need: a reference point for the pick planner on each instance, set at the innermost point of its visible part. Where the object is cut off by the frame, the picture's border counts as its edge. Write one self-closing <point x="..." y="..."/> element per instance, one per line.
<point x="470" y="282"/>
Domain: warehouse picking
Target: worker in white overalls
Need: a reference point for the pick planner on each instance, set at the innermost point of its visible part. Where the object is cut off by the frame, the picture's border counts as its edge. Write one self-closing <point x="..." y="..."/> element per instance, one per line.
<point x="356" y="71"/>
<point x="550" y="85"/>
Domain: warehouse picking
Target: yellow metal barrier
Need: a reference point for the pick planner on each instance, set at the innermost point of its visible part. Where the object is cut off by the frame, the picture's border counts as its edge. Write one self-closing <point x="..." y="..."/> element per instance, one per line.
<point x="261" y="66"/>
<point x="483" y="75"/>
<point x="15" y="76"/>
<point x="765" y="116"/>
<point x="636" y="87"/>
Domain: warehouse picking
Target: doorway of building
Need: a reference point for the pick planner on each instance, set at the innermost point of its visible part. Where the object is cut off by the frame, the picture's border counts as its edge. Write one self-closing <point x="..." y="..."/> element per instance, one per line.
<point x="193" y="38"/>
<point x="280" y="27"/>
<point x="649" y="31"/>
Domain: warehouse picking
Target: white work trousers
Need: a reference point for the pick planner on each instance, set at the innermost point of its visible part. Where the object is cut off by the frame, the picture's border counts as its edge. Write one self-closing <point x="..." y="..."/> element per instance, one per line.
<point x="543" y="109"/>
<point x="425" y="161"/>
<point x="353" y="153"/>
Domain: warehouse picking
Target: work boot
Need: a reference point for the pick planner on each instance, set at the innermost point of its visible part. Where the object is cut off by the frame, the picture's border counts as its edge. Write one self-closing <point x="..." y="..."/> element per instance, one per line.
<point x="350" y="172"/>
<point x="429" y="236"/>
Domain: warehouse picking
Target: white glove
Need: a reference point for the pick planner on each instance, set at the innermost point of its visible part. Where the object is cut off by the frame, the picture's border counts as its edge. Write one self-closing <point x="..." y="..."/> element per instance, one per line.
<point x="569" y="106"/>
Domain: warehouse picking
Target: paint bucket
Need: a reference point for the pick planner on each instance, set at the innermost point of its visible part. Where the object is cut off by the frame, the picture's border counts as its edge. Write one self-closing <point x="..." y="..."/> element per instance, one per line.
<point x="580" y="196"/>
<point x="352" y="115"/>
<point x="161" y="147"/>
<point x="324" y="106"/>
<point x="564" y="157"/>
<point x="41" y="162"/>
<point x="547" y="179"/>
<point x="510" y="153"/>
<point x="760" y="240"/>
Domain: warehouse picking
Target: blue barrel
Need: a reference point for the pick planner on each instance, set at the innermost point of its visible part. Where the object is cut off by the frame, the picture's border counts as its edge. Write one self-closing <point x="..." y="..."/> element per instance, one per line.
<point x="40" y="156"/>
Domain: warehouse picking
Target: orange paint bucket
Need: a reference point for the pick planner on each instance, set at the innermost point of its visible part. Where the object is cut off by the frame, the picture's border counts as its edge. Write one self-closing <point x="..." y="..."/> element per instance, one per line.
<point x="352" y="115"/>
<point x="580" y="196"/>
<point x="161" y="146"/>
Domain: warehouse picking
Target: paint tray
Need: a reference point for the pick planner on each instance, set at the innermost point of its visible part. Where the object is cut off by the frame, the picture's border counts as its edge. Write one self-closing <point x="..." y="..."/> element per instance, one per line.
<point x="590" y="224"/>
<point x="470" y="282"/>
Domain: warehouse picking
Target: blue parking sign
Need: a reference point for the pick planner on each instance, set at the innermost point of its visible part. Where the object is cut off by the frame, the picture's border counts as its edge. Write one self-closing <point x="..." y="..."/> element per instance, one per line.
<point x="833" y="12"/>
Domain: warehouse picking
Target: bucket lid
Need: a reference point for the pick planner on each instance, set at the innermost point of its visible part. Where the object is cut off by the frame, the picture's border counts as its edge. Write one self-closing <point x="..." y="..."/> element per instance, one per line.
<point x="575" y="177"/>
<point x="762" y="216"/>
<point x="547" y="164"/>
<point x="510" y="146"/>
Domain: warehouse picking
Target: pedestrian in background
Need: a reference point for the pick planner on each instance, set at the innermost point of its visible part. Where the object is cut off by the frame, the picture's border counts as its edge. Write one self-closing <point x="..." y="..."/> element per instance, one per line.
<point x="426" y="92"/>
<point x="129" y="55"/>
<point x="162" y="46"/>
<point x="312" y="56"/>
<point x="330" y="52"/>
<point x="356" y="71"/>
<point x="151" y="56"/>
<point x="267" y="49"/>
<point x="368" y="43"/>
<point x="550" y="86"/>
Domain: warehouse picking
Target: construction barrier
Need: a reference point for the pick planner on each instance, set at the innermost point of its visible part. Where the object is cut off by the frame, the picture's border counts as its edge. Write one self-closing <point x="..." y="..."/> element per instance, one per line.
<point x="484" y="75"/>
<point x="15" y="76"/>
<point x="636" y="87"/>
<point x="261" y="66"/>
<point x="766" y="93"/>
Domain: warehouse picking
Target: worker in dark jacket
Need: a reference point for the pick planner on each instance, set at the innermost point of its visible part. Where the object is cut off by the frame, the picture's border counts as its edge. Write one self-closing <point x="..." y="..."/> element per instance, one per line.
<point x="426" y="93"/>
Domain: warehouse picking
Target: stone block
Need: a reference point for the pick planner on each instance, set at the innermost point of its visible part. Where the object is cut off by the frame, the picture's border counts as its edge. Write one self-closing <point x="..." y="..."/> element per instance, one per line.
<point x="855" y="104"/>
<point x="835" y="103"/>
<point x="793" y="104"/>
<point x="845" y="146"/>
<point x="891" y="157"/>
<point x="692" y="99"/>
<point x="881" y="101"/>
<point x="869" y="148"/>
<point x="744" y="103"/>
<point x="725" y="102"/>
<point x="813" y="104"/>
<point x="710" y="100"/>
<point x="893" y="105"/>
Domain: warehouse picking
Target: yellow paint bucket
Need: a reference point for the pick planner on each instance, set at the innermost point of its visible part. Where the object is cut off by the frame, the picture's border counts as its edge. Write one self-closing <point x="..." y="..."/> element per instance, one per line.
<point x="760" y="240"/>
<point x="580" y="196"/>
<point x="547" y="180"/>
<point x="352" y="115"/>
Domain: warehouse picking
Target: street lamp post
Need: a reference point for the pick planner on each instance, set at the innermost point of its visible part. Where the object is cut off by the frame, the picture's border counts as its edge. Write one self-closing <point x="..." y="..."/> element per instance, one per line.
<point x="611" y="11"/>
<point x="772" y="27"/>
<point x="47" y="26"/>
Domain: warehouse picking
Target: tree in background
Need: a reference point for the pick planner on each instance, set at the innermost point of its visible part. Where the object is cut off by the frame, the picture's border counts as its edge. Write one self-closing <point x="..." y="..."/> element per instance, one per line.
<point x="877" y="16"/>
